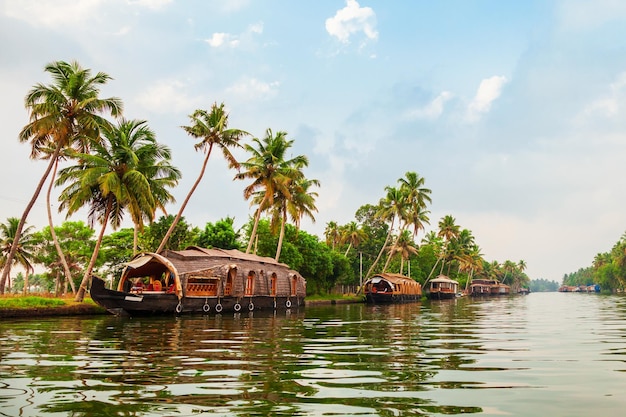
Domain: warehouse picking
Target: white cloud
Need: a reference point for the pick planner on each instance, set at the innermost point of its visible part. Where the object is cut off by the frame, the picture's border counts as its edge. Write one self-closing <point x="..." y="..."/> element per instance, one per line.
<point x="53" y="13"/>
<point x="253" y="89"/>
<point x="168" y="97"/>
<point x="609" y="105"/>
<point x="151" y="4"/>
<point x="488" y="91"/>
<point x="350" y="20"/>
<point x="221" y="39"/>
<point x="432" y="110"/>
<point x="256" y="28"/>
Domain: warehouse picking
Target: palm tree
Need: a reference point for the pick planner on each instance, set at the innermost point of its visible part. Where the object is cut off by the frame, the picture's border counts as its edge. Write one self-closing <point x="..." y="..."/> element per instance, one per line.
<point x="509" y="267"/>
<point x="391" y="207"/>
<point x="110" y="181"/>
<point x="211" y="127"/>
<point x="448" y="231"/>
<point x="62" y="115"/>
<point x="63" y="261"/>
<point x="270" y="172"/>
<point x="416" y="197"/>
<point x="300" y="204"/>
<point x="332" y="233"/>
<point x="405" y="246"/>
<point x="23" y="255"/>
<point x="154" y="162"/>
<point x="352" y="234"/>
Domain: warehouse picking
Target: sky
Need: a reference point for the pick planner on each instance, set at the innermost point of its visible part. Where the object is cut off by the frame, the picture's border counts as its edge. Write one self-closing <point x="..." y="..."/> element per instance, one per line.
<point x="513" y="112"/>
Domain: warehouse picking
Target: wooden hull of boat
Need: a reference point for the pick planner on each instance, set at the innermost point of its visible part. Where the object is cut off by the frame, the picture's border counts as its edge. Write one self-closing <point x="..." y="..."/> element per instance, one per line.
<point x="441" y="295"/>
<point x="147" y="303"/>
<point x="381" y="298"/>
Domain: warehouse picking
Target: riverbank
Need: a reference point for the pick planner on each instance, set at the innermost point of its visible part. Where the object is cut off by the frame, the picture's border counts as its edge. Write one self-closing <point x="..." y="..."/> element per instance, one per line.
<point x="26" y="307"/>
<point x="68" y="310"/>
<point x="39" y="306"/>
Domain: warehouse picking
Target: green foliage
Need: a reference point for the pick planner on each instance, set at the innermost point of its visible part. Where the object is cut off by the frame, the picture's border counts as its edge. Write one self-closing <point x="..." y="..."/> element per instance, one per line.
<point x="117" y="248"/>
<point x="182" y="236"/>
<point x="30" y="302"/>
<point x="543" y="285"/>
<point x="76" y="241"/>
<point x="219" y="235"/>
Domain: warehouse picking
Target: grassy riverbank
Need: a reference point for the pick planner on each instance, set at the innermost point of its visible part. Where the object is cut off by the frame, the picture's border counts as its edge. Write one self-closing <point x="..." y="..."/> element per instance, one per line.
<point x="333" y="299"/>
<point x="35" y="306"/>
<point x="38" y="306"/>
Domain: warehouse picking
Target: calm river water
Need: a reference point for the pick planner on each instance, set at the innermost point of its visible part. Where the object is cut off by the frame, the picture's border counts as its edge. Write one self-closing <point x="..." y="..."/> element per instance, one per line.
<point x="547" y="354"/>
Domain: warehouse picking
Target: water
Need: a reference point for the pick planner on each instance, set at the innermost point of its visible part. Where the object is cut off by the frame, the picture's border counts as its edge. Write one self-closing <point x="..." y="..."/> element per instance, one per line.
<point x="548" y="354"/>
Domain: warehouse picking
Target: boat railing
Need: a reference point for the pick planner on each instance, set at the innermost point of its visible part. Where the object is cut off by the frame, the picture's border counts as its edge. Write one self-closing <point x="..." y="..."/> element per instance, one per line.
<point x="209" y="289"/>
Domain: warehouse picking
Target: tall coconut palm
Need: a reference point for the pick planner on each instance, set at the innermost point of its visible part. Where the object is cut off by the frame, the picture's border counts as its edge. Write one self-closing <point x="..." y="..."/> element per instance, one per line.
<point x="109" y="180"/>
<point x="448" y="231"/>
<point x="211" y="128"/>
<point x="416" y="198"/>
<point x="154" y="162"/>
<point x="23" y="255"/>
<point x="55" y="240"/>
<point x="405" y="246"/>
<point x="390" y="208"/>
<point x="352" y="234"/>
<point x="332" y="233"/>
<point x="271" y="173"/>
<point x="66" y="113"/>
<point x="300" y="203"/>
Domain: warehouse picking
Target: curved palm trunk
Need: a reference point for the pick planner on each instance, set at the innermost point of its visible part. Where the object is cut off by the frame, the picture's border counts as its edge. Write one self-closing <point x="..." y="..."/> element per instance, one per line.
<point x="25" y="289"/>
<point x="257" y="218"/>
<point x="135" y="239"/>
<point x="393" y="249"/>
<point x="369" y="271"/>
<point x="20" y="226"/>
<point x="182" y="207"/>
<point x="80" y="295"/>
<point x="282" y="236"/>
<point x="66" y="268"/>
<point x="348" y="250"/>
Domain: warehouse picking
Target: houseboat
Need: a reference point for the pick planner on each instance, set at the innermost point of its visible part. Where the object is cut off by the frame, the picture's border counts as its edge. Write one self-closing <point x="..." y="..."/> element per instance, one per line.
<point x="391" y="288"/>
<point x="488" y="287"/>
<point x="442" y="288"/>
<point x="199" y="280"/>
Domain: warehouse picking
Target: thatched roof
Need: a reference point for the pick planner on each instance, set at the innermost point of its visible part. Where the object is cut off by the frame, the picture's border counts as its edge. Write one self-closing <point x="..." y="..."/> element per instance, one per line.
<point x="443" y="278"/>
<point x="393" y="278"/>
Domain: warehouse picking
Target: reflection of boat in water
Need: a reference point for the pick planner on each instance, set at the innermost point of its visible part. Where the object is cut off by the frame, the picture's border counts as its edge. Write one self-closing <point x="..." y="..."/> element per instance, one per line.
<point x="201" y="280"/>
<point x="391" y="288"/>
<point x="443" y="288"/>
<point x="485" y="287"/>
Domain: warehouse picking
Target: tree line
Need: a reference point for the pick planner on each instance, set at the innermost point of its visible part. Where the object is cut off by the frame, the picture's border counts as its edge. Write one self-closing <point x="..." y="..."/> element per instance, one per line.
<point x="608" y="269"/>
<point x="116" y="168"/>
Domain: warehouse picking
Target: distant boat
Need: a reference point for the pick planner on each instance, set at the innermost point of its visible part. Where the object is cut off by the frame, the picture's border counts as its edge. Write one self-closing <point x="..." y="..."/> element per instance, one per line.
<point x="591" y="288"/>
<point x="487" y="287"/>
<point x="199" y="280"/>
<point x="442" y="288"/>
<point x="391" y="288"/>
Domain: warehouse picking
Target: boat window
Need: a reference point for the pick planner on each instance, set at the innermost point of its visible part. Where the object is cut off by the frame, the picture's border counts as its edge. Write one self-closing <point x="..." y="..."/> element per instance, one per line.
<point x="273" y="281"/>
<point x="294" y="285"/>
<point x="230" y="279"/>
<point x="250" y="283"/>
